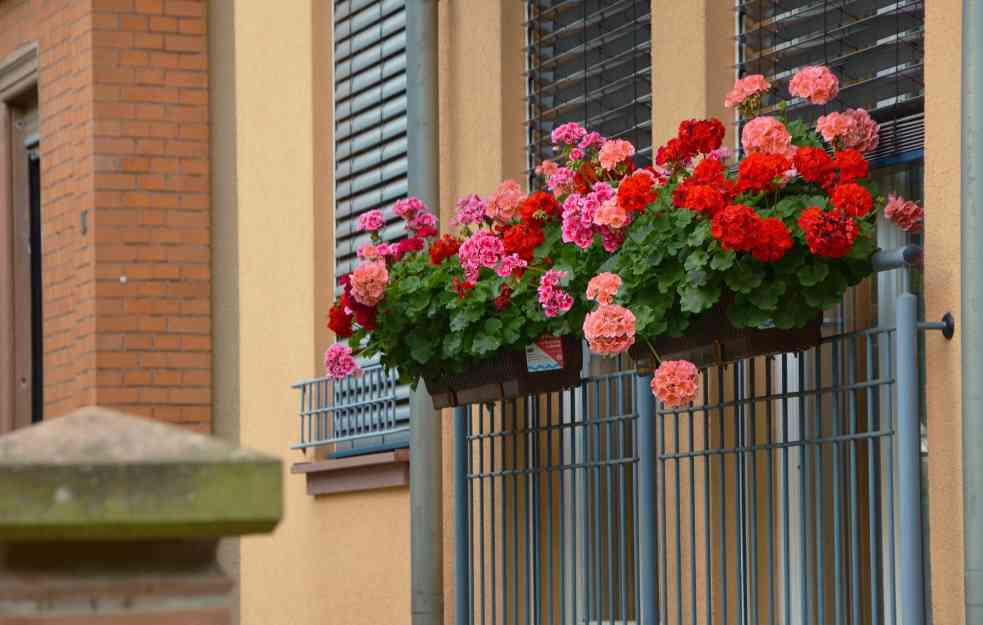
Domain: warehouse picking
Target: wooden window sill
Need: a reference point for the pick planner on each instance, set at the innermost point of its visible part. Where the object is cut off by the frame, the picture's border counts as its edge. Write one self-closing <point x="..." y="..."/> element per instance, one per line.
<point x="390" y="469"/>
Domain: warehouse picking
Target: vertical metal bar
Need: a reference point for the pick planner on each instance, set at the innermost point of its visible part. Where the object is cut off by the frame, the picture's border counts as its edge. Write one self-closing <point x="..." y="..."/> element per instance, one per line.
<point x="786" y="543"/>
<point x="548" y="472"/>
<point x="528" y="565"/>
<point x="835" y="383"/>
<point x="820" y="572"/>
<point x="706" y="496"/>
<point x="596" y="479"/>
<point x="473" y="475"/>
<point x="769" y="455"/>
<point x="515" y="514"/>
<point x="647" y="508"/>
<point x="692" y="518"/>
<point x="678" y="505"/>
<point x="873" y="526"/>
<point x="725" y="609"/>
<point x="493" y="434"/>
<point x="908" y="443"/>
<point x="609" y="484"/>
<point x="740" y="496"/>
<point x="535" y="469"/>
<point x="622" y="503"/>
<point x="803" y="494"/>
<point x="462" y="577"/>
<point x="481" y="510"/>
<point x="753" y="487"/>
<point x="892" y="612"/>
<point x="854" y="558"/>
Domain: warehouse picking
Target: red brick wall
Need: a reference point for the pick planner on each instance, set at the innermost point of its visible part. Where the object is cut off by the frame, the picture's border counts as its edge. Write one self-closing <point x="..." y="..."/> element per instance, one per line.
<point x="123" y="100"/>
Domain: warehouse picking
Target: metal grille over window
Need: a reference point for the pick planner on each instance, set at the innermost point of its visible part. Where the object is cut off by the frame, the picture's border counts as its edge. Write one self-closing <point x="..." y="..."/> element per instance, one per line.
<point x="874" y="46"/>
<point x="589" y="61"/>
<point x="354" y="415"/>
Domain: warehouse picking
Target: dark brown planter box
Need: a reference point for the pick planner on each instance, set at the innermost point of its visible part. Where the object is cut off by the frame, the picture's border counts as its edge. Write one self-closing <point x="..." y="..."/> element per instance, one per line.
<point x="712" y="340"/>
<point x="506" y="377"/>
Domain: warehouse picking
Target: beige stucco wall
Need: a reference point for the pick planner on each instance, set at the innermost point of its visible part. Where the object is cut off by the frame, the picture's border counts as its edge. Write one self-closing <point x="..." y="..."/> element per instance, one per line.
<point x="336" y="559"/>
<point x="943" y="38"/>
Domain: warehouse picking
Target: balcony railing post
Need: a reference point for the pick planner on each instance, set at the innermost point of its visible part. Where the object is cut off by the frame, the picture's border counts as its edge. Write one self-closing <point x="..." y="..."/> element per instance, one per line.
<point x="908" y="444"/>
<point x="462" y="581"/>
<point x="648" y="551"/>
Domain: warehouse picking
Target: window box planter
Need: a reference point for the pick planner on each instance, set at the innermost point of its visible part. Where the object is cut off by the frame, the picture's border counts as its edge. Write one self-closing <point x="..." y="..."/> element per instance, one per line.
<point x="506" y="377"/>
<point x="713" y="340"/>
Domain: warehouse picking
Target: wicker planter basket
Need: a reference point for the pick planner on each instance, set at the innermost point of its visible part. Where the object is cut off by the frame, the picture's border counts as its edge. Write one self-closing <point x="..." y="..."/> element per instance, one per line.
<point x="505" y="377"/>
<point x="712" y="340"/>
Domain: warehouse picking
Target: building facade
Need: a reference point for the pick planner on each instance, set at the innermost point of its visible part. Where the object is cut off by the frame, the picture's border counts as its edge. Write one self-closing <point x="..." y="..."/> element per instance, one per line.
<point x="190" y="172"/>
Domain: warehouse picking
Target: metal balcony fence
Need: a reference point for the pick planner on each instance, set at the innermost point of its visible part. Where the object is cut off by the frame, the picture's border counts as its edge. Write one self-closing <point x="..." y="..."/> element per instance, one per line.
<point x="789" y="493"/>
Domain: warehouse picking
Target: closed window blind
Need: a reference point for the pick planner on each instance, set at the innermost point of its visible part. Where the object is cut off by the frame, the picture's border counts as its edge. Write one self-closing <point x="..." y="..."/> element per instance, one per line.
<point x="874" y="46"/>
<point x="589" y="61"/>
<point x="370" y="172"/>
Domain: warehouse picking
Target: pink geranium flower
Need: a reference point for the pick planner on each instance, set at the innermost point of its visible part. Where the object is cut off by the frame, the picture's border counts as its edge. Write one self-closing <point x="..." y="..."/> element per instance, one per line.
<point x="675" y="382"/>
<point x="481" y="249"/>
<point x="470" y="210"/>
<point x="767" y="135"/>
<point x="610" y="329"/>
<point x="610" y="213"/>
<point x="407" y="208"/>
<point x="603" y="287"/>
<point x="339" y="362"/>
<point x="368" y="282"/>
<point x="908" y="215"/>
<point x="568" y="134"/>
<point x="552" y="297"/>
<point x="614" y="152"/>
<point x="814" y="83"/>
<point x="505" y="200"/>
<point x="747" y="87"/>
<point x="371" y="221"/>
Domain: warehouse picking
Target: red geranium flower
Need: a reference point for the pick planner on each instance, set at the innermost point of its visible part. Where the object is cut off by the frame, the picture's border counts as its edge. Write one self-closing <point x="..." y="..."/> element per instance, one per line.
<point x="814" y="165"/>
<point x="540" y="206"/>
<point x="701" y="136"/>
<point x="443" y="248"/>
<point x="339" y="321"/>
<point x="736" y="227"/>
<point x="828" y="233"/>
<point x="852" y="199"/>
<point x="708" y="171"/>
<point x="585" y="178"/>
<point x="773" y="241"/>
<point x="851" y="165"/>
<point x="704" y="199"/>
<point x="758" y="171"/>
<point x="461" y="286"/>
<point x="636" y="192"/>
<point x="412" y="244"/>
<point x="504" y="298"/>
<point x="675" y="151"/>
<point x="522" y="239"/>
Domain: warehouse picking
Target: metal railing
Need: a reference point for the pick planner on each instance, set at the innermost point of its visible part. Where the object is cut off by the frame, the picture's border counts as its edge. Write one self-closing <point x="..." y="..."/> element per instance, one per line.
<point x="370" y="409"/>
<point x="789" y="493"/>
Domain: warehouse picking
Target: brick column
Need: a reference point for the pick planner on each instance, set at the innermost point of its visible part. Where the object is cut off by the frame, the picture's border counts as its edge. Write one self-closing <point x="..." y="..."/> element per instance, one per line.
<point x="113" y="520"/>
<point x="149" y="224"/>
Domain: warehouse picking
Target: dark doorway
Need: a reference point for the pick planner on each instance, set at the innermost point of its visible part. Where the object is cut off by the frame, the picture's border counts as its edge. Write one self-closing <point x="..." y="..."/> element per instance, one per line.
<point x="37" y="349"/>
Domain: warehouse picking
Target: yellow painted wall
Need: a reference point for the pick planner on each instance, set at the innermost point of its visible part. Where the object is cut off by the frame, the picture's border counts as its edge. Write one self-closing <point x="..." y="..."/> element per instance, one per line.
<point x="943" y="40"/>
<point x="336" y="559"/>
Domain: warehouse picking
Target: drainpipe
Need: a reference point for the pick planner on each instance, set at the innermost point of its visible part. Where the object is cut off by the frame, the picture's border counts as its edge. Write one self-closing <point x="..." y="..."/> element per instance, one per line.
<point x="971" y="325"/>
<point x="426" y="488"/>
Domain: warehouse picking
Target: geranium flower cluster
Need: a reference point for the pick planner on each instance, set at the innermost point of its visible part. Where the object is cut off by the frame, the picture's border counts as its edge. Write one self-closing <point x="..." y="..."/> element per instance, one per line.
<point x="610" y="328"/>
<point x="364" y="288"/>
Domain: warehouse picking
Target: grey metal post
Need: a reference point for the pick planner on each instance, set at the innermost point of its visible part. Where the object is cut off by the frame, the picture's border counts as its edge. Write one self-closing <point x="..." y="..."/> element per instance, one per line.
<point x="971" y="304"/>
<point x="648" y="551"/>
<point x="462" y="586"/>
<point x="909" y="463"/>
<point x="426" y="453"/>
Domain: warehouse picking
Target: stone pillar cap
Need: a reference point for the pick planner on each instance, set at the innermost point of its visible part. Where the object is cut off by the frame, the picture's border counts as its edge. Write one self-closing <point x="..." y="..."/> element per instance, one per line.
<point x="100" y="475"/>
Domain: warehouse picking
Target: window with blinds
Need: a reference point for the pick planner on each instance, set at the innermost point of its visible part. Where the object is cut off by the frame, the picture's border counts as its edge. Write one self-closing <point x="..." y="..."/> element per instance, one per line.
<point x="589" y="61"/>
<point x="874" y="46"/>
<point x="370" y="172"/>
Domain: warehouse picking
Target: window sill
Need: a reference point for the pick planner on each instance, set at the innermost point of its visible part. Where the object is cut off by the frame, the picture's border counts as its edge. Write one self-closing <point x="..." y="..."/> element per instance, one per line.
<point x="389" y="469"/>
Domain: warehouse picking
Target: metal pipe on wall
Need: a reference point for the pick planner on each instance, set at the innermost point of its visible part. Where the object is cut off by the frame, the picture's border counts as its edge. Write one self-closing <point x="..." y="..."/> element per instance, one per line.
<point x="971" y="324"/>
<point x="426" y="449"/>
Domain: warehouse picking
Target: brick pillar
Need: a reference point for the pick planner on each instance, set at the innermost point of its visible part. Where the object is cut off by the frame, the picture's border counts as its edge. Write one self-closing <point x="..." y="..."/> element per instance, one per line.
<point x="113" y="520"/>
<point x="141" y="176"/>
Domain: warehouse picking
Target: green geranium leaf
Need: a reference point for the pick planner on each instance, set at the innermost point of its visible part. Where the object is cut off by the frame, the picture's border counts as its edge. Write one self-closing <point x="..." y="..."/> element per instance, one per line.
<point x="451" y="345"/>
<point x="767" y="296"/>
<point x="421" y="347"/>
<point x="485" y="343"/>
<point x="696" y="299"/>
<point x="696" y="260"/>
<point x="722" y="260"/>
<point x="813" y="274"/>
<point x="744" y="277"/>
